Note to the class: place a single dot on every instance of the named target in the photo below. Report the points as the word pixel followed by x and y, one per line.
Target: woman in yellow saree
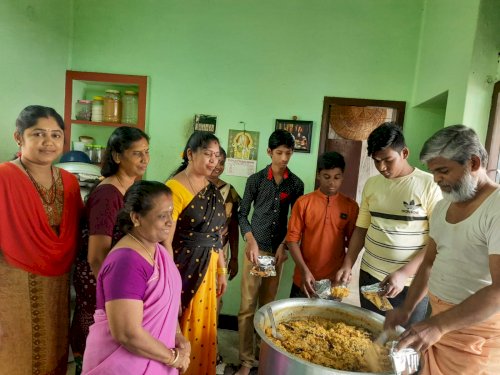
pixel 199 220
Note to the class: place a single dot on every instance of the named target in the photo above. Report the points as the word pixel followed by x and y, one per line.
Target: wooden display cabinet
pixel 86 85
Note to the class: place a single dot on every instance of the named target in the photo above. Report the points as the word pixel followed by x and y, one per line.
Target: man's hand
pixel 344 275
pixel 281 255
pixel 396 317
pixel 252 252
pixel 232 267
pixel 308 283
pixel 393 284
pixel 420 336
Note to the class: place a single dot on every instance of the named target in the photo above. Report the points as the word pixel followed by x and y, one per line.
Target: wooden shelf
pixel 105 80
pixel 102 123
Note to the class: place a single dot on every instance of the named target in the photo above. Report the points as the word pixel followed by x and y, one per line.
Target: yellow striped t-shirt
pixel 396 212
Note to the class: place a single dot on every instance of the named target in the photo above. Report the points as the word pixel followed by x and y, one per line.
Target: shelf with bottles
pixel 100 135
pixel 86 86
pixel 101 123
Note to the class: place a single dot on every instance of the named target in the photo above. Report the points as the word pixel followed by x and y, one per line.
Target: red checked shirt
pixel 271 203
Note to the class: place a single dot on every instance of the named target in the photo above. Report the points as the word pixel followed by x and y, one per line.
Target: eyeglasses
pixel 211 154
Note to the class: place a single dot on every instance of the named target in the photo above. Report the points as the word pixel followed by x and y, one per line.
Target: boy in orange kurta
pixel 320 227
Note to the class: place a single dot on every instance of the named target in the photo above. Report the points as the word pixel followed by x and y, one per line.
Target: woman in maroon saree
pixel 126 159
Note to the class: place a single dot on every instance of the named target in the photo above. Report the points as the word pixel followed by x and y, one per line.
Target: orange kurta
pixel 323 225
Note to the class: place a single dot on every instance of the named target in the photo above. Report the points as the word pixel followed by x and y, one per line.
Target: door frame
pixel 328 101
pixel 493 136
pixel 399 106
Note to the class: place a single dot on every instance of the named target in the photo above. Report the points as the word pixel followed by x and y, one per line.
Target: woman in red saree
pixel 199 220
pixel 136 327
pixel 39 212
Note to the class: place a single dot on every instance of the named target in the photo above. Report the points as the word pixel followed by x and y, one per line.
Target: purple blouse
pixel 124 275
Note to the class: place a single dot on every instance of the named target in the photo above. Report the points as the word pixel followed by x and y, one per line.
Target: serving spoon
pixel 274 331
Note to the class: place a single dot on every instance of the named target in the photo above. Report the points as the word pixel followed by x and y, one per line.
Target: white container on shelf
pixel 79 146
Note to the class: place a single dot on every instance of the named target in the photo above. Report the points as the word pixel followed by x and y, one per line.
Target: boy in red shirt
pixel 320 227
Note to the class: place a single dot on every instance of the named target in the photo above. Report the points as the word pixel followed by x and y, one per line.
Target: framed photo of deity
pixel 301 131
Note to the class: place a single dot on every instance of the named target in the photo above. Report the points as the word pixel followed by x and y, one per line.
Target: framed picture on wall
pixel 205 123
pixel 301 130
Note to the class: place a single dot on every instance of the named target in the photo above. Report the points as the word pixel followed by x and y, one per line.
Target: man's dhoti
pixel 474 350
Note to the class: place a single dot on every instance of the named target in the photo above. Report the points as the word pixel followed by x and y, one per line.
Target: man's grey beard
pixel 463 190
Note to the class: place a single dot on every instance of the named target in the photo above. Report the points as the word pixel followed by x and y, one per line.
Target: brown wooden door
pixel 351 151
pixel 358 166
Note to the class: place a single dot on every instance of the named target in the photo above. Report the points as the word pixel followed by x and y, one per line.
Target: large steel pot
pixel 276 361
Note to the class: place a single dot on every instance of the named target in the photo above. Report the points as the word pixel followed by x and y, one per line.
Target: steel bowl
pixel 276 361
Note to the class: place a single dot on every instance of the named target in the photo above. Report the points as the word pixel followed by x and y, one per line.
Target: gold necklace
pixel 52 191
pixel 192 188
pixel 144 247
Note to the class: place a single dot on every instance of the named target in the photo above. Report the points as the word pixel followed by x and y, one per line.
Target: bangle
pixel 175 354
pixel 222 271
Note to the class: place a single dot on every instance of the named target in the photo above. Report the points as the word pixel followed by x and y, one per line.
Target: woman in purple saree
pixel 136 327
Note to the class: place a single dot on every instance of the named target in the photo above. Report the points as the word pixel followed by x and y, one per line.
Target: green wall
pixel 457 65
pixel 35 44
pixel 255 62
pixel 484 66
pixel 251 62
pixel 445 53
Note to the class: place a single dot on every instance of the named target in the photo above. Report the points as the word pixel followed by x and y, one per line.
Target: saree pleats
pixel 199 324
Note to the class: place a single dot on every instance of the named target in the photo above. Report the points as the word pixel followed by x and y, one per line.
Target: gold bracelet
pixel 222 271
pixel 175 354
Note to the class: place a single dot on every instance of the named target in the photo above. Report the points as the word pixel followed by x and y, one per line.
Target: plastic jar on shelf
pixel 98 153
pixel 95 156
pixel 89 150
pixel 83 109
pixel 97 107
pixel 112 106
pixel 130 105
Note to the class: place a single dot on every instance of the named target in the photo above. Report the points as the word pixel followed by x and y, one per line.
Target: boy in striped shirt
pixel 393 221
